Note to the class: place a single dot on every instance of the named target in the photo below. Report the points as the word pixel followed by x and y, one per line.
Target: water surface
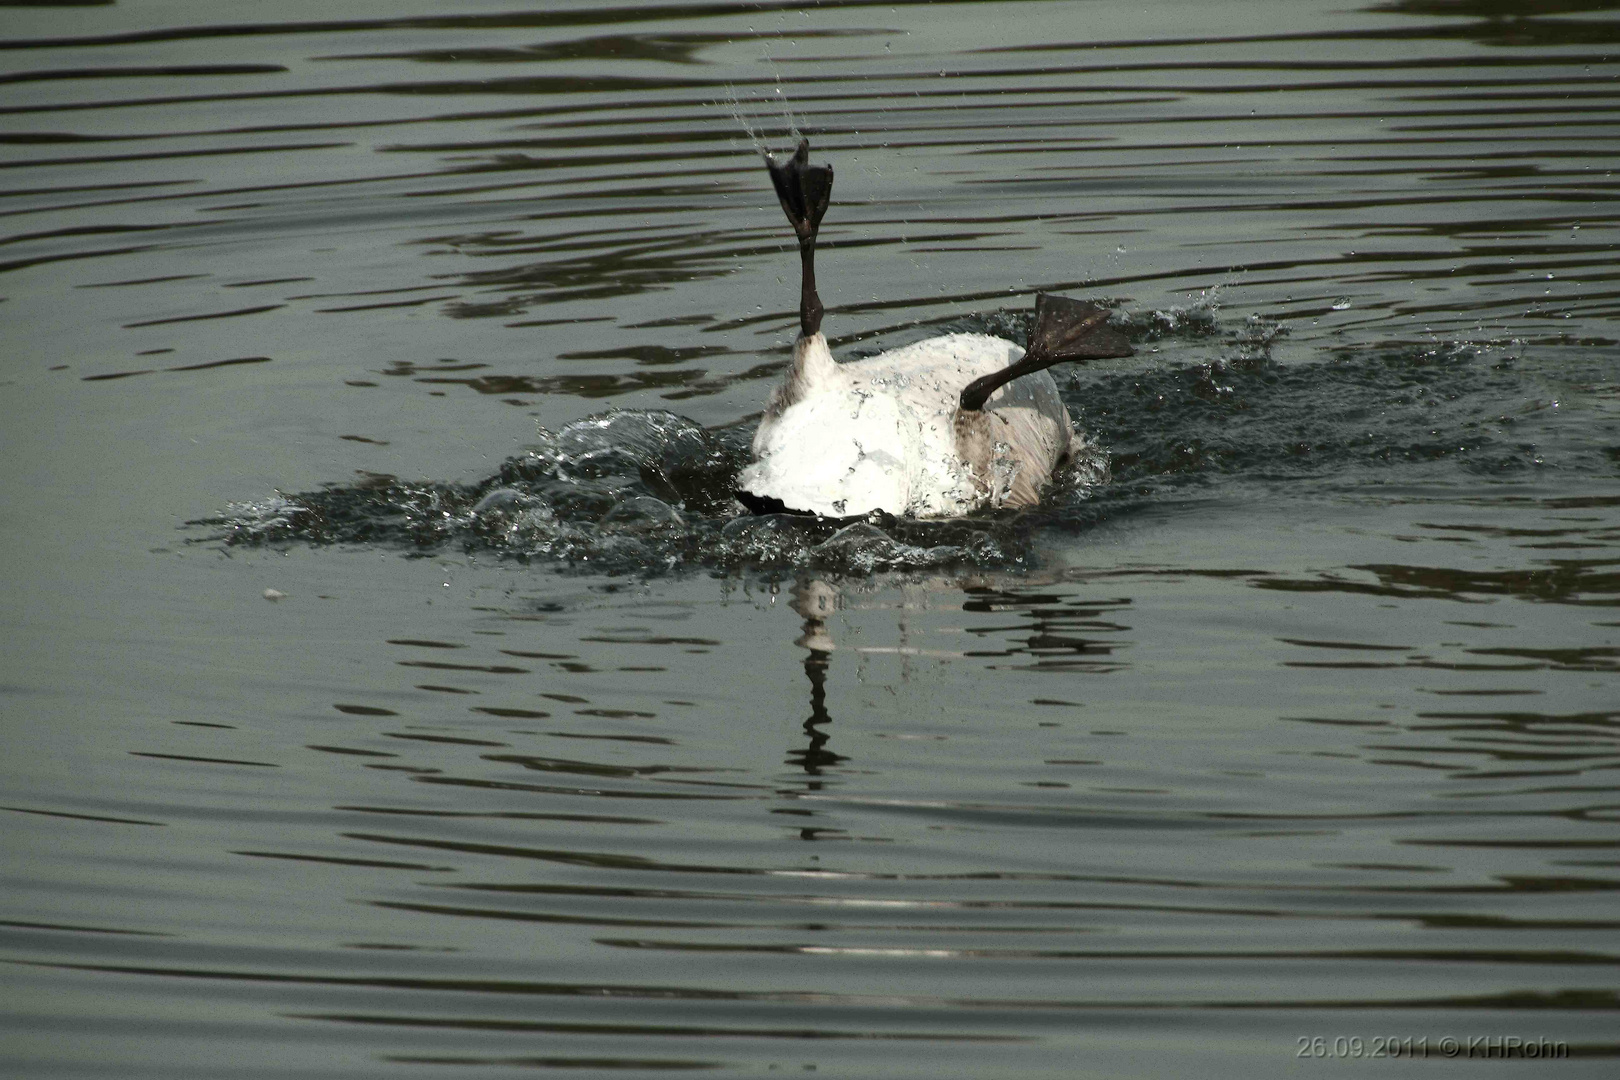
pixel 392 687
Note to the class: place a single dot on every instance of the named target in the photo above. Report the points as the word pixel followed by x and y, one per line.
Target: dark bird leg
pixel 804 190
pixel 1065 330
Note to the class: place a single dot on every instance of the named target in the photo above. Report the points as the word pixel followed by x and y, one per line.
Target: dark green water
pixel 536 756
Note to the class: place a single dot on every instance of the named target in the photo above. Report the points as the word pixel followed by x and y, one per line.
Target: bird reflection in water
pixel 815 601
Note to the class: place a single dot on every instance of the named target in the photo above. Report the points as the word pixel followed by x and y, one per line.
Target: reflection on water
pixel 815 600
pixel 1290 714
pixel 1027 800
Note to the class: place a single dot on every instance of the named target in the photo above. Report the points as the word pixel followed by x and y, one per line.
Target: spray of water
pixel 752 117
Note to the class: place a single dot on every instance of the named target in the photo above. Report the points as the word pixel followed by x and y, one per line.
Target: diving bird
pixel 935 429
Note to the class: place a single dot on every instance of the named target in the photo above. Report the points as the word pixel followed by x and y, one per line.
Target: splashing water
pixel 645 493
pixel 746 119
pixel 628 492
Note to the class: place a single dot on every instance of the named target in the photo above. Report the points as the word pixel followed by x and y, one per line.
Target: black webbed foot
pixel 804 189
pixel 1064 330
pixel 1067 329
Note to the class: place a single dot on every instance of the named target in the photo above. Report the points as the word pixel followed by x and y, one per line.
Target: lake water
pixel 378 703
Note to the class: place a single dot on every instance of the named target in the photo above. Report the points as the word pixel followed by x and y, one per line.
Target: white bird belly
pixel 880 433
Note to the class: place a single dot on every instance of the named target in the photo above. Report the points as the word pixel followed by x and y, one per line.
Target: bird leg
pixel 804 190
pixel 1064 330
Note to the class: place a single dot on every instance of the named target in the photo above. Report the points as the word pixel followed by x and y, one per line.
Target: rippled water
pixel 393 687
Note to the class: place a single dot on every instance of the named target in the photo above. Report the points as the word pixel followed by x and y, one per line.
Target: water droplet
pixel 1341 304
